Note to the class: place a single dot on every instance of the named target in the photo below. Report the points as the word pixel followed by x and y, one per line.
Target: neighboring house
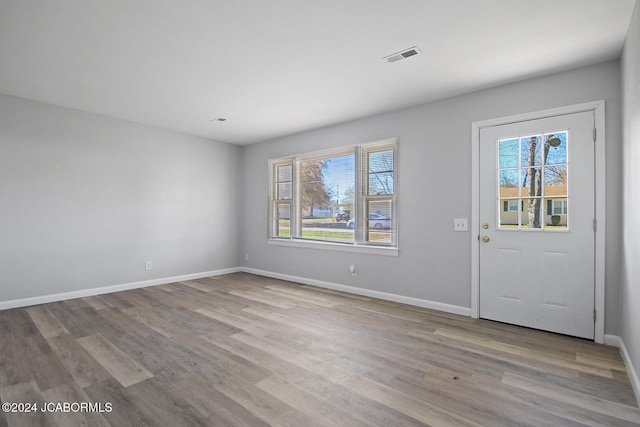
pixel 554 205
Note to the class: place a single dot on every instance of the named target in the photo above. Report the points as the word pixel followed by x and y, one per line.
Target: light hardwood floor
pixel 245 350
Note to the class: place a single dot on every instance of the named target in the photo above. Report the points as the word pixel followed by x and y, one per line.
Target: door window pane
pixel 532 213
pixel 508 149
pixel 533 171
pixel 531 178
pixel 509 213
pixel 531 150
pixel 555 180
pixel 509 183
pixel 556 148
pixel 556 213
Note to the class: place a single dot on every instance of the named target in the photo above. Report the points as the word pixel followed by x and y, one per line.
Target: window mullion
pixel 295 199
pixel 359 202
pixel 277 192
pixel 379 202
pixel 272 201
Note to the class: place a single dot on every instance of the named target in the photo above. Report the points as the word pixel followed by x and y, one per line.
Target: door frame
pixel 600 206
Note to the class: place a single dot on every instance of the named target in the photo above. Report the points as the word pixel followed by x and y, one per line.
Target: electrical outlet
pixel 148 265
pixel 460 224
pixel 353 270
pixel 246 257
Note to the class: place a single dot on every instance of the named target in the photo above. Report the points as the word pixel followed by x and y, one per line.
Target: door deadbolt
pixel 485 225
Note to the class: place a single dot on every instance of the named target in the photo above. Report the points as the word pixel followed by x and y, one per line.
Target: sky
pixel 339 176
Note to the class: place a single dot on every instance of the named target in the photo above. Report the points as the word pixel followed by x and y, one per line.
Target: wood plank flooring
pixel 245 350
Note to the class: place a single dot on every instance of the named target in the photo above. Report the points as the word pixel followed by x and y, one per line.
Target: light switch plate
pixel 460 224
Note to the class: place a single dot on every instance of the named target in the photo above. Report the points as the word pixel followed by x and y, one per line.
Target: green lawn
pixel 327 229
pixel 341 235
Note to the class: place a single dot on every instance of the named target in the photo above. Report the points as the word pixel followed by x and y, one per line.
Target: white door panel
pixel 536 215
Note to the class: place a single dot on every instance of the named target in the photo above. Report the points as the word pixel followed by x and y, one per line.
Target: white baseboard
pixel 464 311
pixel 612 340
pixel 616 341
pixel 25 302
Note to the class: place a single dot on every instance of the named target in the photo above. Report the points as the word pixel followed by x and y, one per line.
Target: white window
pixel 559 207
pixel 345 196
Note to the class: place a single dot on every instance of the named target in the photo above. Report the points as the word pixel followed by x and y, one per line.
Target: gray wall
pixel 85 200
pixel 434 186
pixel 630 287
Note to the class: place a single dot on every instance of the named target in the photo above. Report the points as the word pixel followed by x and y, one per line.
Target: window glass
pixel 283 182
pixel 379 224
pixel 380 172
pixel 532 213
pixel 532 181
pixel 555 180
pixel 327 186
pixel 509 183
pixel 556 213
pixel 508 149
pixel 283 224
pixel 345 195
pixel 557 148
pixel 531 150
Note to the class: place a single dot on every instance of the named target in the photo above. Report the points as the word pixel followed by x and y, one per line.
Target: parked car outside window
pixel 375 221
pixel 343 216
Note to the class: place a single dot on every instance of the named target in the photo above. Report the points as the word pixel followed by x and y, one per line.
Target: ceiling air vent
pixel 412 51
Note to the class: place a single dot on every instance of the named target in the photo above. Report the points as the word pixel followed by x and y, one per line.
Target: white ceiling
pixel 277 67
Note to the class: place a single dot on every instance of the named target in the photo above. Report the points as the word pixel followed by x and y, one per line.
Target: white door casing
pixel 550 278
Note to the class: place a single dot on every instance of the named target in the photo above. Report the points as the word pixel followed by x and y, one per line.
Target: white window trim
pixel 337 247
pixel 563 207
pixel 359 245
pixel 509 202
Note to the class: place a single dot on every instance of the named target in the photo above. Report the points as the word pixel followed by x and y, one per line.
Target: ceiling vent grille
pixel 407 53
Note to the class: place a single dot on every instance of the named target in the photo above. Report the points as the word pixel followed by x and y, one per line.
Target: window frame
pixel 563 206
pixel 509 202
pixel 275 195
pixel 541 166
pixel 361 200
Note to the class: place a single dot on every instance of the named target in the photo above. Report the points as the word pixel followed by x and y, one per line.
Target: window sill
pixel 338 247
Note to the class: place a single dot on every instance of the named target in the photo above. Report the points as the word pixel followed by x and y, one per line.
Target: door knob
pixel 485 239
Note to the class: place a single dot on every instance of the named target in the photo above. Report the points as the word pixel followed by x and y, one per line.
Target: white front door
pixel 537 210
